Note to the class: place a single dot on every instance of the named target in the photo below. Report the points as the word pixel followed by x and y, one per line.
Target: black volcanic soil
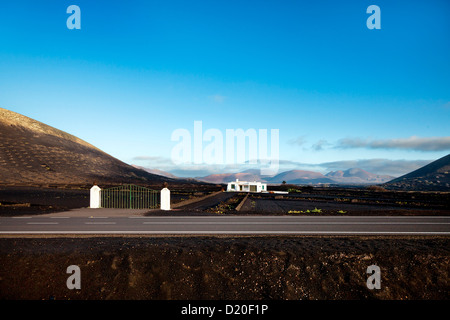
pixel 320 205
pixel 324 201
pixel 330 201
pixel 225 267
pixel 32 200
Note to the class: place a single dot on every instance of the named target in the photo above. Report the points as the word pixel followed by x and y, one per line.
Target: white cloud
pixel 299 141
pixel 152 159
pixel 319 145
pixel 412 143
pixel 378 166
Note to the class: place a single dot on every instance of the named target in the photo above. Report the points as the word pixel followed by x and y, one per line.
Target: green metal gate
pixel 129 196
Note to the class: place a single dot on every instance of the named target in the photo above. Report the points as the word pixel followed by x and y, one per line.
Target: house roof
pixel 245 182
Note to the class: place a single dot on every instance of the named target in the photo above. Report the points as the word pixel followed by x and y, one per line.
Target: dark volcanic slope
pixel 32 153
pixel 433 176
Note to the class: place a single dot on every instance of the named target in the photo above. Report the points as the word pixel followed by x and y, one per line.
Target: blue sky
pixel 339 93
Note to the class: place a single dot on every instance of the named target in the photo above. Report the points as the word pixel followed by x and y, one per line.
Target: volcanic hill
pixel 247 175
pixel 357 176
pixel 300 177
pixel 353 176
pixel 35 154
pixel 435 176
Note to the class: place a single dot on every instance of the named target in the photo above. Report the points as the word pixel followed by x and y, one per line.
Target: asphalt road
pixel 233 225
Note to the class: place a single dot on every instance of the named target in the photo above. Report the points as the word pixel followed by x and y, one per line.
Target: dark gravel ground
pixel 222 268
pixel 15 201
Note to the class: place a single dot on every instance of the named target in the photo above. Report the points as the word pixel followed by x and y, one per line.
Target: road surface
pixel 232 225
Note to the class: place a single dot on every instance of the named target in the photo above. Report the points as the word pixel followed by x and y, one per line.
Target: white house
pixel 244 186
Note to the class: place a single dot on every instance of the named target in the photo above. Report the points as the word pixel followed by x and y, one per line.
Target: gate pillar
pixel 95 197
pixel 165 199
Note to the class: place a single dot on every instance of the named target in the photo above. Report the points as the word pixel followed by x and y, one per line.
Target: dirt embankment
pixel 225 268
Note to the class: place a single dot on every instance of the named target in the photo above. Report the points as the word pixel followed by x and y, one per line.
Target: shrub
pixel 376 188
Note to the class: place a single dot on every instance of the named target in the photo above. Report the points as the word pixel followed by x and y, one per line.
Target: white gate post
pixel 95 197
pixel 165 199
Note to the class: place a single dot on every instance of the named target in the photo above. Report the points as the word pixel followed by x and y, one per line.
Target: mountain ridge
pixel 434 176
pixel 12 118
pixel 33 153
pixel 349 176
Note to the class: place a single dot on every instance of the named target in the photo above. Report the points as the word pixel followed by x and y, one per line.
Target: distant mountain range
pixel 435 176
pixel 350 176
pixel 357 176
pixel 248 175
pixel 432 177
